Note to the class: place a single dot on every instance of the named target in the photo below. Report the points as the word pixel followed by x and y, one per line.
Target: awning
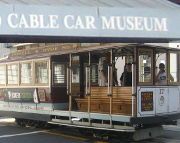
pixel 92 21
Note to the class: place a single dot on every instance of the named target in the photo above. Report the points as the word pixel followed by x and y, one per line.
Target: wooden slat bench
pixel 100 102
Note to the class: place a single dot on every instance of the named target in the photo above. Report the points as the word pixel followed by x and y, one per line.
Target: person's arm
pixel 156 78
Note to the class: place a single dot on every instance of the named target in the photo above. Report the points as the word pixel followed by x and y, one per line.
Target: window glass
pixel 12 74
pixel 2 74
pixel 161 68
pixel 145 66
pixel 173 77
pixel 75 74
pixel 41 72
pixel 59 73
pixel 26 73
pixel 94 73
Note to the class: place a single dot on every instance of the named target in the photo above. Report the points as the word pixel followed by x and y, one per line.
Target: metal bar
pixel 70 80
pixel 70 88
pixel 108 80
pixel 89 71
pixel 67 80
pixel 86 80
pixel 89 90
pixel 111 85
pixel 132 90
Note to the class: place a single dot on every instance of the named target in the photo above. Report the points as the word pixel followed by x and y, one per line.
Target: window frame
pixel 5 75
pixel 7 79
pixel 65 74
pixel 152 66
pixel 178 67
pixel 34 71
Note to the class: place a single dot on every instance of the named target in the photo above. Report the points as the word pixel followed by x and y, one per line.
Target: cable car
pixel 109 87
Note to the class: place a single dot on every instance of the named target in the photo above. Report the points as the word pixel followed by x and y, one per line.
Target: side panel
pixel 162 97
pixel 165 100
pixel 147 106
pixel 174 99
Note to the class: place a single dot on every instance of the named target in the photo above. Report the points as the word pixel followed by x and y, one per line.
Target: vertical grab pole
pixel 110 76
pixel 133 86
pixel 89 88
pixel 108 80
pixel 70 86
pixel 67 80
pixel 89 73
pixel 86 80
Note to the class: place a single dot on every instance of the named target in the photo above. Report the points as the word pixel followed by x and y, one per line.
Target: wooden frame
pixel 30 85
pixel 11 84
pixel 65 74
pixel 5 75
pixel 178 68
pixel 152 66
pixel 32 73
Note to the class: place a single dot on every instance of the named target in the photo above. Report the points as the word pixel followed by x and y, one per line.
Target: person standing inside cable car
pixel 161 78
pixel 126 77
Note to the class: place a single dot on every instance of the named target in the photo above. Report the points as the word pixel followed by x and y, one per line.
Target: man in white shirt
pixel 161 78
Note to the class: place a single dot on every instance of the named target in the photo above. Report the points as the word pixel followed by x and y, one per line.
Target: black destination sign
pixel 146 101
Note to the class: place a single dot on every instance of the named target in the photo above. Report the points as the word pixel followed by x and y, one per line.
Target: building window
pixel 12 74
pixel 2 74
pixel 26 73
pixel 59 73
pixel 41 72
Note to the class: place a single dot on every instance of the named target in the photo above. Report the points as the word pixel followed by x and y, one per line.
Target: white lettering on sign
pixel 77 22
pixel 12 17
pixel 134 23
pixel 14 95
pixel 72 22
pixel 32 21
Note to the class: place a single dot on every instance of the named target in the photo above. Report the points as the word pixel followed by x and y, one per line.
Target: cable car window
pixel 2 74
pixel 145 66
pixel 161 68
pixel 41 72
pixel 75 74
pixel 75 69
pixel 173 76
pixel 94 73
pixel 59 73
pixel 12 74
pixel 26 73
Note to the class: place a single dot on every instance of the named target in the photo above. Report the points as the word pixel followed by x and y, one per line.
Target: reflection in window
pixel 94 73
pixel 75 74
pixel 12 74
pixel 26 73
pixel 41 70
pixel 3 74
pixel 145 66
pixel 59 73
pixel 173 68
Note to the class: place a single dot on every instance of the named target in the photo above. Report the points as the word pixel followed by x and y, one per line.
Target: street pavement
pixel 11 133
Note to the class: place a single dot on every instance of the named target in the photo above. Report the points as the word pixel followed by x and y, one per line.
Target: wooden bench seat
pixel 100 102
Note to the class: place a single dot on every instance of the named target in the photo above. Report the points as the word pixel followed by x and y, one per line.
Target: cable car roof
pixel 98 3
